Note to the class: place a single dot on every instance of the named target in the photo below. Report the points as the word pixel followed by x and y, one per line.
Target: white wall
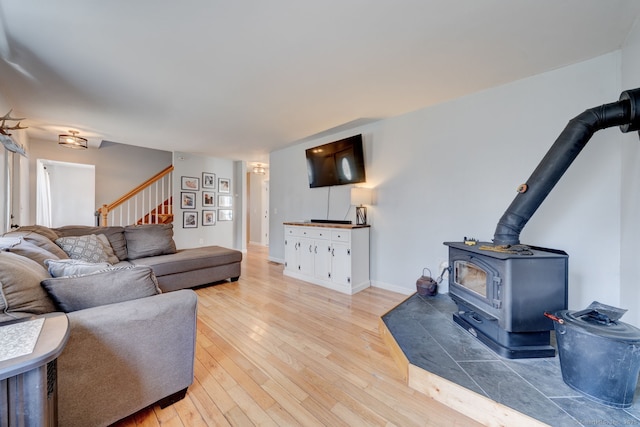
pixel 449 171
pixel 630 201
pixel 223 233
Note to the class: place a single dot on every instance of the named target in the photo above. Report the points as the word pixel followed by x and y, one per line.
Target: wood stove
pixel 502 295
pixel 503 288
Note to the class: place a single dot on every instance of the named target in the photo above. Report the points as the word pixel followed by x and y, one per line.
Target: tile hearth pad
pixel 425 331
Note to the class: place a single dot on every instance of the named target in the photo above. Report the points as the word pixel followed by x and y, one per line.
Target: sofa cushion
pixel 149 240
pixel 86 248
pixel 38 229
pixel 33 252
pixel 104 287
pixel 20 291
pixel 39 240
pixel 115 235
pixel 190 259
pixel 73 267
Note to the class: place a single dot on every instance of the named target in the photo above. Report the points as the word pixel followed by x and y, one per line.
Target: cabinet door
pixel 290 253
pixel 322 254
pixel 306 256
pixel 341 263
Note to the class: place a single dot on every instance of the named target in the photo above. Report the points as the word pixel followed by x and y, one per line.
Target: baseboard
pixel 276 260
pixel 393 288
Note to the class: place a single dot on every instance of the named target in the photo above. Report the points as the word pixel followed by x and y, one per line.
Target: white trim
pixel 393 288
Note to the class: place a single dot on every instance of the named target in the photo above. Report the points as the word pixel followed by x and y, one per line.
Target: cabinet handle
pixel 348 251
pixel 310 250
pixel 315 249
pixel 333 252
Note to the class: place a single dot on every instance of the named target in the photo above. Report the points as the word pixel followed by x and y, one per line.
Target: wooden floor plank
pixel 272 350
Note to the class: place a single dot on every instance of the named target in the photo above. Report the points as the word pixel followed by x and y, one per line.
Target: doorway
pixel 65 193
pixel 265 213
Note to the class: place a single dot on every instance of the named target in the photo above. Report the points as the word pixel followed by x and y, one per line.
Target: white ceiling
pixel 239 78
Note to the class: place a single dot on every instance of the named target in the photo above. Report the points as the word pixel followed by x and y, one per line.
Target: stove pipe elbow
pixel 624 113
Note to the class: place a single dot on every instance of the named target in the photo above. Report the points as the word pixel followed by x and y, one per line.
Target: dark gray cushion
pixel 86 248
pixel 20 290
pixel 101 288
pixel 33 252
pixel 73 267
pixel 149 240
pixel 115 235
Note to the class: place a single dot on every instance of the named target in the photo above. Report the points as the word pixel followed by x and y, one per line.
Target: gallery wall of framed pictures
pixel 212 196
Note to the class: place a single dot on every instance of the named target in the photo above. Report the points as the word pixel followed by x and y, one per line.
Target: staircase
pixel 149 203
pixel 160 214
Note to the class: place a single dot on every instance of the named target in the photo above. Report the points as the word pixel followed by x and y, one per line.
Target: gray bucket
pixel 599 355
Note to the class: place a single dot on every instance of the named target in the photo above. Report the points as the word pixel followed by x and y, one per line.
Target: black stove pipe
pixel 624 113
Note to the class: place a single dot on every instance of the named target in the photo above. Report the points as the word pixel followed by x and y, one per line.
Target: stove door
pixel 476 283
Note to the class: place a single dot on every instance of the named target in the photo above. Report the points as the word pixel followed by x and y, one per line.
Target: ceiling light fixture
pixel 258 170
pixel 73 140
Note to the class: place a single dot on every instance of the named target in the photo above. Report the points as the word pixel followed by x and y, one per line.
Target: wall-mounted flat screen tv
pixel 337 163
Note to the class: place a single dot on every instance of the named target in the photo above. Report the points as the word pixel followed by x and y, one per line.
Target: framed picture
pixel 224 185
pixel 225 201
pixel 208 198
pixel 187 200
pixel 190 219
pixel 225 215
pixel 190 183
pixel 208 217
pixel 208 180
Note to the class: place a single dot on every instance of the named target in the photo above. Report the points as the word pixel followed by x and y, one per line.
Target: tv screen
pixel 337 163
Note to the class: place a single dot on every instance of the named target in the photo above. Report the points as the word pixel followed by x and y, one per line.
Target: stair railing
pixel 148 203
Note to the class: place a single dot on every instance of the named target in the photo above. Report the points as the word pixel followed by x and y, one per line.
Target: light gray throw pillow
pixel 73 267
pixel 104 287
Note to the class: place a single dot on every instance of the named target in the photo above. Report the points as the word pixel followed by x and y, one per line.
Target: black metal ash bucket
pixel 599 355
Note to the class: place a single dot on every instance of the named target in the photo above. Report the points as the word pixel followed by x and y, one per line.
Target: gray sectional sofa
pixel 131 342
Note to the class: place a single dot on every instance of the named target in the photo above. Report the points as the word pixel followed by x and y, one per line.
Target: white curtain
pixel 43 196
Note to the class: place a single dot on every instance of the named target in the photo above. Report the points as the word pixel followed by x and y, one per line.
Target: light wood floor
pixel 276 351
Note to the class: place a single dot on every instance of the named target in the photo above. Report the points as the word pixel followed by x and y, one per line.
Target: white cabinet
pixel 336 257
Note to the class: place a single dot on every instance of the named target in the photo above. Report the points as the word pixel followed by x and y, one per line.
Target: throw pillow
pixel 112 258
pixel 20 290
pixel 86 248
pixel 39 240
pixel 115 235
pixel 101 288
pixel 33 252
pixel 9 242
pixel 149 240
pixel 73 267
pixel 39 229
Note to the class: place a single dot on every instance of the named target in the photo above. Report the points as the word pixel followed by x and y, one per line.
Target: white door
pixel 265 213
pixel 66 193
